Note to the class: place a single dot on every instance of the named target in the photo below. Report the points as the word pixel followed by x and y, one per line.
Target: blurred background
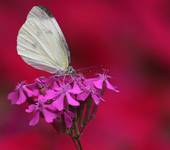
pixel 129 37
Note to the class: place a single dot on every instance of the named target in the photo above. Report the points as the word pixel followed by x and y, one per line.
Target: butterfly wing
pixel 41 43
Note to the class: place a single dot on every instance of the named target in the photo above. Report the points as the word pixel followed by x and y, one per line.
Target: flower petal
pixel 59 102
pixel 28 91
pixel 71 100
pixel 35 119
pixel 71 114
pixel 110 86
pixel 50 94
pixel 68 119
pixel 98 84
pixel 56 87
pixel 31 108
pixel 49 116
pixel 75 90
pixel 22 97
pixel 13 97
pixel 89 82
pixel 42 99
pixel 33 88
pixel 83 96
pixel 96 99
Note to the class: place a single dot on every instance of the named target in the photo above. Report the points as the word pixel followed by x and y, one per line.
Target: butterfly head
pixel 70 70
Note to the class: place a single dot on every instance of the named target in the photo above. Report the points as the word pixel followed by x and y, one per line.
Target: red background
pixel 131 38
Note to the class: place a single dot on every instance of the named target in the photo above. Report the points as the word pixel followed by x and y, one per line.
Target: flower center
pixel 65 88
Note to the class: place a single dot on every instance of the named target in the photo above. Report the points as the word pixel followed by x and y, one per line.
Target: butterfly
pixel 41 43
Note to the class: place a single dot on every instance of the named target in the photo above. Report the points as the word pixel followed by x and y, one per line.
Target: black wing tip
pixel 45 9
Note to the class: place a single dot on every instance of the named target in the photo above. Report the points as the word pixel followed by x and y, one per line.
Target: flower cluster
pixel 62 99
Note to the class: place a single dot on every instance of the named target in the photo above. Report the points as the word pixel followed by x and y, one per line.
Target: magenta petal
pixel 13 97
pixel 28 91
pixel 68 120
pixel 31 108
pixel 50 107
pixel 55 85
pixel 89 82
pixel 50 94
pixel 98 84
pixel 110 86
pixel 49 116
pixel 35 92
pixel 33 89
pixel 83 96
pixel 96 99
pixel 71 114
pixel 59 102
pixel 71 100
pixel 35 119
pixel 42 99
pixel 75 90
pixel 22 98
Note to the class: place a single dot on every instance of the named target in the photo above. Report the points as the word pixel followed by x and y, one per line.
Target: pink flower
pixel 42 86
pixel 65 91
pixel 20 94
pixel 103 78
pixel 41 83
pixel 41 107
pixel 56 97
pixel 90 91
pixel 78 80
pixel 68 118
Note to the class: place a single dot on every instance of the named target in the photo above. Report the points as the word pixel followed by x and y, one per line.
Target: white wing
pixel 41 43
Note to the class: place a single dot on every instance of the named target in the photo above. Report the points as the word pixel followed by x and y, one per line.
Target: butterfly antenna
pixel 91 68
pixel 105 71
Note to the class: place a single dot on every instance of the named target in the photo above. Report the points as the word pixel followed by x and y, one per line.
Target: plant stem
pixel 76 136
pixel 79 144
pixel 75 143
pixel 74 133
pixel 88 111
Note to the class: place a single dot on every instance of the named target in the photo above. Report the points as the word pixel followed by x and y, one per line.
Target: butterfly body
pixel 68 71
pixel 41 43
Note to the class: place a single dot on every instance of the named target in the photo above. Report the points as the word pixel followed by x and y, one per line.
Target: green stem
pixel 87 115
pixel 77 136
pixel 79 144
pixel 80 114
pixel 76 128
pixel 75 143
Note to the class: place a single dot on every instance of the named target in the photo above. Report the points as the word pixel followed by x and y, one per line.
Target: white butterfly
pixel 41 43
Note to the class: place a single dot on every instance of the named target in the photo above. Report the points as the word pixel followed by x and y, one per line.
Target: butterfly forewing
pixel 41 43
